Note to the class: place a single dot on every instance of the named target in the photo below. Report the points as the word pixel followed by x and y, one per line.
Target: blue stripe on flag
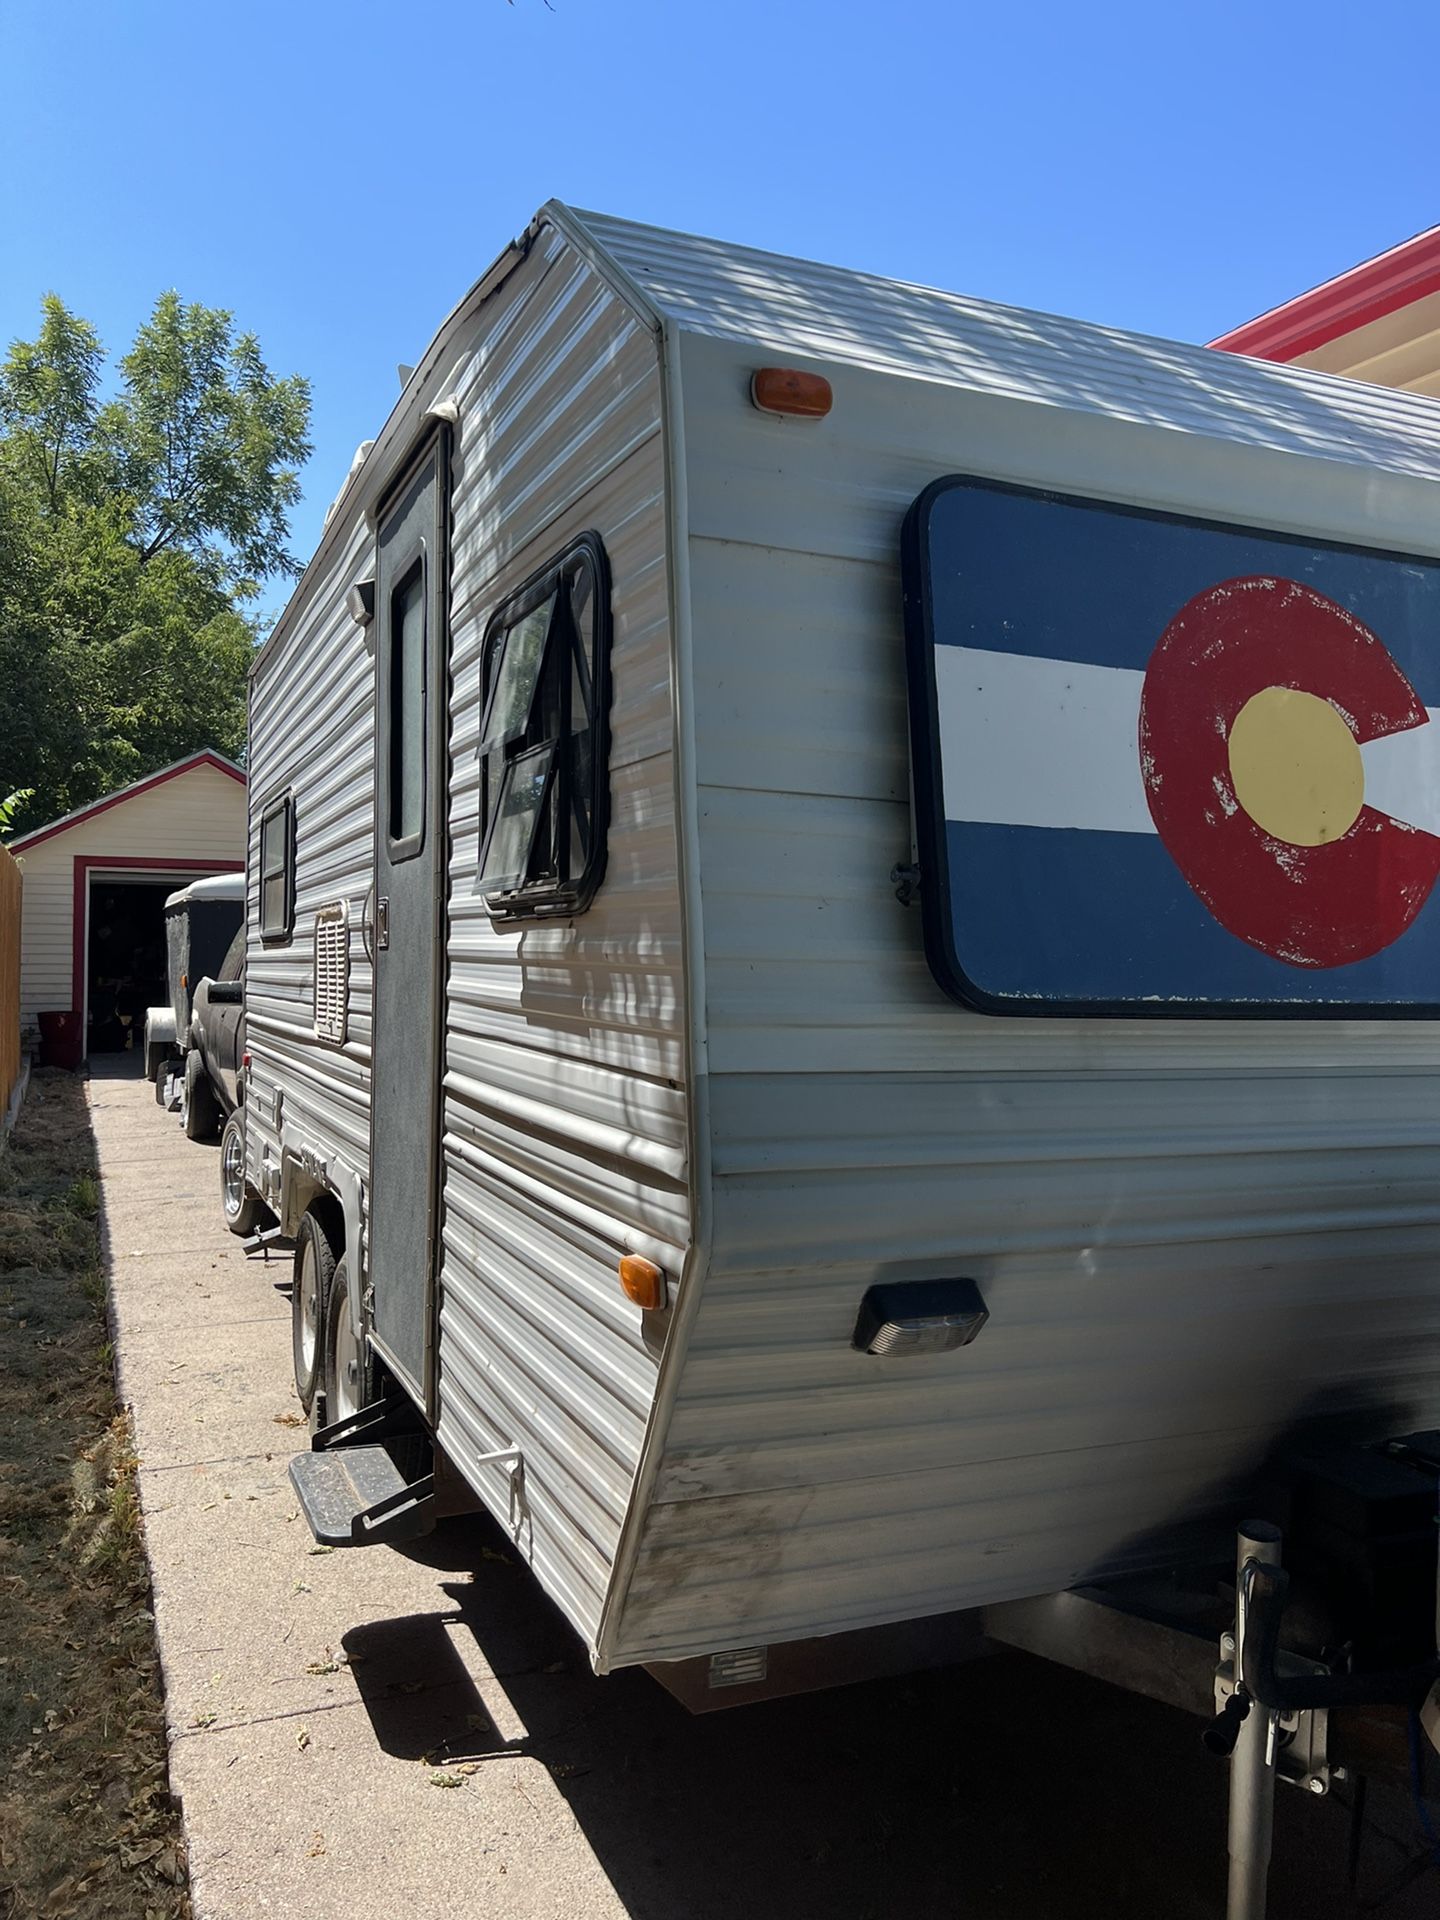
pixel 1067 580
pixel 1058 915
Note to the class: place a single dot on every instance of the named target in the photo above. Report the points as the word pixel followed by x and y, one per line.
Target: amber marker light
pixel 643 1282
pixel 786 390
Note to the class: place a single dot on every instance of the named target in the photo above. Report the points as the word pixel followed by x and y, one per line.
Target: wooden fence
pixel 9 976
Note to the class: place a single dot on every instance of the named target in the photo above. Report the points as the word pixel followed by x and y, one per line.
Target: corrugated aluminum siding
pixel 565 1106
pixel 863 320
pixel 1190 1234
pixel 312 731
pixel 565 1121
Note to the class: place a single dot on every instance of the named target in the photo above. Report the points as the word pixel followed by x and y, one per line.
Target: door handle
pixel 382 923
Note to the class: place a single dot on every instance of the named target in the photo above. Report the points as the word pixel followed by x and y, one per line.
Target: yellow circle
pixel 1296 767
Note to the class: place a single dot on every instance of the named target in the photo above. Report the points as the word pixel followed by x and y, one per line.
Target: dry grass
pixel 87 1825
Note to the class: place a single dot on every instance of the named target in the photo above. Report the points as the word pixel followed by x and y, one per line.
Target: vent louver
pixel 332 972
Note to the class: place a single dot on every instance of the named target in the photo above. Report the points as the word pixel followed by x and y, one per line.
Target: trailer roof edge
pixel 370 475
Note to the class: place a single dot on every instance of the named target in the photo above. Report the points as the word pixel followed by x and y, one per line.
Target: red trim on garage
pixel 1368 292
pixel 206 758
pixel 85 865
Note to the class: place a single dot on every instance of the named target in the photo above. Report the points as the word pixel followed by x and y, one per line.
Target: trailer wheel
pixel 198 1113
pixel 162 1080
pixel 348 1370
pixel 243 1208
pixel 314 1277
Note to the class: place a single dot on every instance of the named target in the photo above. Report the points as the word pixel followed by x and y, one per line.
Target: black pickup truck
pixel 216 1042
pixel 212 1098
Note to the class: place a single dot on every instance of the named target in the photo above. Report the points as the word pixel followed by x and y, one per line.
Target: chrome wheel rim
pixel 232 1172
pixel 308 1290
pixel 344 1365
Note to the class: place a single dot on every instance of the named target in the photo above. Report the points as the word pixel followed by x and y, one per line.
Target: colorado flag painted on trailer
pixel 1168 765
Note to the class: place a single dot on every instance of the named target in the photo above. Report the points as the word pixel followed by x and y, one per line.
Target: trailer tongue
pixel 1296 1696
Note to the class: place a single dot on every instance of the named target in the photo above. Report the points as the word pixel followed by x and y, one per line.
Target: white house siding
pixel 1189 1234
pixel 565 1116
pixel 196 816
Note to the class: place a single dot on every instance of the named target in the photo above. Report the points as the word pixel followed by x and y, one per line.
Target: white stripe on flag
pixel 1040 743
pixel 1055 743
pixel 1402 775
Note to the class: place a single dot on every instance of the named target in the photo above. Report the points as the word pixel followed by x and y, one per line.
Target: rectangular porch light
pixel 919 1316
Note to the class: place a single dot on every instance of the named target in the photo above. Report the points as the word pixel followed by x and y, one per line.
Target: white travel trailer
pixel 801 1167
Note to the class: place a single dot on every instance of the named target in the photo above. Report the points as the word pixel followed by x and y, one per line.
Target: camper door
pixel 410 656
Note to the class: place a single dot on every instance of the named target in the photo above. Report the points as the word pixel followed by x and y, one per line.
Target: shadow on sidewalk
pixel 999 1790
pixel 116 1066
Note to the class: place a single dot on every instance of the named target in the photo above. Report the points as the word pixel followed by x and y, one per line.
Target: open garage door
pixel 124 958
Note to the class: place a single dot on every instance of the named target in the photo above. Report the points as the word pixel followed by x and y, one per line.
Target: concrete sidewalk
pixel 303 1781
pixel 369 1733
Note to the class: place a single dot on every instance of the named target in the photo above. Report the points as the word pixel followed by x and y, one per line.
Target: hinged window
pixel 332 973
pixel 544 755
pixel 277 869
pixel 407 733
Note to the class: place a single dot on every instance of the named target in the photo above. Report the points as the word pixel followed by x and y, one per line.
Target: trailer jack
pixel 1274 1712
pixel 262 1241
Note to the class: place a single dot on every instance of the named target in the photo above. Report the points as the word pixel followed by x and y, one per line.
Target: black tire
pixel 336 1398
pixel 242 1207
pixel 199 1114
pixel 162 1080
pixel 315 1259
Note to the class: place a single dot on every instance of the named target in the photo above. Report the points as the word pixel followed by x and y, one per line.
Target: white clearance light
pixel 919 1316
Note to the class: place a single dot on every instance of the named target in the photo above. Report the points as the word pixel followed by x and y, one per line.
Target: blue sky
pixel 338 174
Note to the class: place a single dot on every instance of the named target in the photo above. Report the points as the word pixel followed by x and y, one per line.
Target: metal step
pixel 360 1496
pixel 262 1241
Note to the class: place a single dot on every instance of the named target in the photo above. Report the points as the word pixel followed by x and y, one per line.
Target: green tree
pixel 47 401
pixel 205 443
pixel 134 530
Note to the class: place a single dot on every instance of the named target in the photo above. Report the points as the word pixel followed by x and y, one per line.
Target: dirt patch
pixel 87 1824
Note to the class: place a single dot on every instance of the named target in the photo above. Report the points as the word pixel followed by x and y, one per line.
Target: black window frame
pixel 411 563
pixel 560 894
pixel 282 806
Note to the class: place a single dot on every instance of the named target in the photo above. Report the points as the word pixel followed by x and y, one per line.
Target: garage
pixel 92 950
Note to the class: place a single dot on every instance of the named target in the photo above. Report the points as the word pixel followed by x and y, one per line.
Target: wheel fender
pixel 305 1171
pixel 159 1026
pixel 348 1191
